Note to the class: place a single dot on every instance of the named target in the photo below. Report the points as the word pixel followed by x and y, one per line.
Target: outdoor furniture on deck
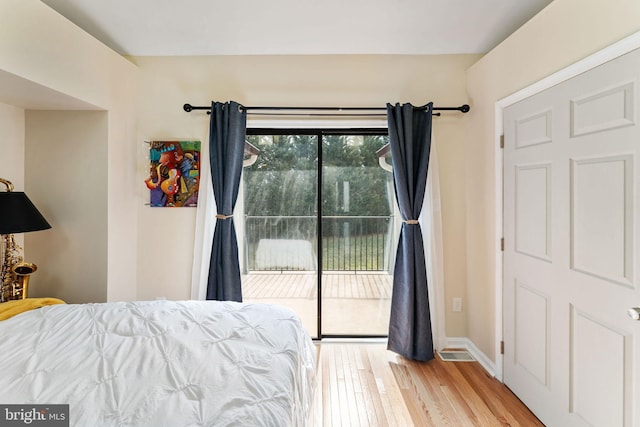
pixel 285 254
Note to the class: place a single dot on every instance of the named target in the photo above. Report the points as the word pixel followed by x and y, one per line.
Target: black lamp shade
pixel 19 215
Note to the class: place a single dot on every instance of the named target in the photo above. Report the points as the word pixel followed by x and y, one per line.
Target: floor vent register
pixel 456 356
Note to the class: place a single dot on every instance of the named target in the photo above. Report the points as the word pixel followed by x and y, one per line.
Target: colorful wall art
pixel 174 173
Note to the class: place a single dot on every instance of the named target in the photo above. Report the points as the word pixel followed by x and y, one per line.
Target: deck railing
pixel 289 243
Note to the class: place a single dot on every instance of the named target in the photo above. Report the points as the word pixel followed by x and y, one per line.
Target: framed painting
pixel 174 173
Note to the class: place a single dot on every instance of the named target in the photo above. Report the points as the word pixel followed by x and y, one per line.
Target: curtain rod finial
pixel 187 108
pixel 465 108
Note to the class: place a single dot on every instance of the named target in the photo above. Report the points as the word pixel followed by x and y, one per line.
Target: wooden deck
pixel 353 303
pixel 343 285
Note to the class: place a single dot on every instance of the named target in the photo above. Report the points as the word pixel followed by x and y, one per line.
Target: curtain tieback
pixel 411 221
pixel 218 216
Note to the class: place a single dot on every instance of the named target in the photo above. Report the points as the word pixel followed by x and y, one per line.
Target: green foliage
pixel 283 180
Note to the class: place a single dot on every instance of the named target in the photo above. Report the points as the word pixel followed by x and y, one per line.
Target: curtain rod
pixel 188 108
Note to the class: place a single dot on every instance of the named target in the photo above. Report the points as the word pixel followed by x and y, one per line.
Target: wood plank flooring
pixel 363 384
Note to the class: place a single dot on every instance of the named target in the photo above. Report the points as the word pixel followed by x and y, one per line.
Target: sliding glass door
pixel 280 227
pixel 357 235
pixel 309 183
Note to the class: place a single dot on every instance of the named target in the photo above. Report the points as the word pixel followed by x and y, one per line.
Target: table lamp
pixel 17 215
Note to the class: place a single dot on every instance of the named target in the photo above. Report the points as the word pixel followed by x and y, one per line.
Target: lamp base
pixel 10 287
pixel 23 270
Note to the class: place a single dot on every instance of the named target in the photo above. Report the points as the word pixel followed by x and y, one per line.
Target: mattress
pixel 161 363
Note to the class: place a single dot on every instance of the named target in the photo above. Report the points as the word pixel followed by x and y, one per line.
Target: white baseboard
pixel 465 343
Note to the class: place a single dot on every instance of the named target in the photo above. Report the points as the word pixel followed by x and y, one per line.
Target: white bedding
pixel 161 363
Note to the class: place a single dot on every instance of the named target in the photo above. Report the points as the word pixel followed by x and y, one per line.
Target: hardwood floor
pixel 363 384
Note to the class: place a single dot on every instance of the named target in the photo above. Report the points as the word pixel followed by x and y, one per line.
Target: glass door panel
pixel 280 228
pixel 357 236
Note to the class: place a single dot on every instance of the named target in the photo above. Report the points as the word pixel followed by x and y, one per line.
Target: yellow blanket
pixel 11 308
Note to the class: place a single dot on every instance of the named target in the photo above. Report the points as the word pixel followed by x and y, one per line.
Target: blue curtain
pixel 410 142
pixel 226 150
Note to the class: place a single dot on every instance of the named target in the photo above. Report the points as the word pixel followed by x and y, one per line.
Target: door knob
pixel 634 313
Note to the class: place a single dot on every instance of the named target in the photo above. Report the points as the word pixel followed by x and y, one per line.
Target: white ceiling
pixel 283 27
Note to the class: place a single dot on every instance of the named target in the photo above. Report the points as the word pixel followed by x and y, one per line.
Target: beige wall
pixel 65 163
pixel 12 149
pixel 40 45
pixel 563 33
pixel 166 235
pixel 56 65
pixel 12 145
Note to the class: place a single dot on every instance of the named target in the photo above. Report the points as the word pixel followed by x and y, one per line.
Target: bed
pixel 161 363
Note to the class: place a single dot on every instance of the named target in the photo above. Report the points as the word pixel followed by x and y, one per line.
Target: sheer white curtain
pixel 431 224
pixel 205 225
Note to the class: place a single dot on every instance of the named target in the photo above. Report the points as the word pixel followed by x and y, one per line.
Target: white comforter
pixel 161 363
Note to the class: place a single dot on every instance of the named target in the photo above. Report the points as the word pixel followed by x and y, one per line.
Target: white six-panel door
pixel 571 260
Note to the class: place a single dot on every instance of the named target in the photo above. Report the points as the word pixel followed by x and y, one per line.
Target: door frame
pixel 592 61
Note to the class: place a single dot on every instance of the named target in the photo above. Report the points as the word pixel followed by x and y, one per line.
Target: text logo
pixel 34 415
